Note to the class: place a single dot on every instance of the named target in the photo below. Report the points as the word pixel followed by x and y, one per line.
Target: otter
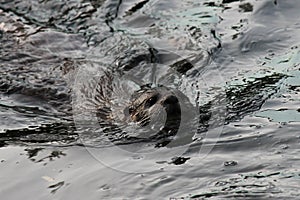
pixel 157 106
pixel 153 114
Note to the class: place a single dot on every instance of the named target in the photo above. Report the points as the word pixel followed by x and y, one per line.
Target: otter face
pixel 147 102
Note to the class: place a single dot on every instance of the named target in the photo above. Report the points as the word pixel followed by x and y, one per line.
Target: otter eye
pixel 150 102
pixel 130 110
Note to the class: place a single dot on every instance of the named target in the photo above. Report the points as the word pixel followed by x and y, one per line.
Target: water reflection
pixel 252 44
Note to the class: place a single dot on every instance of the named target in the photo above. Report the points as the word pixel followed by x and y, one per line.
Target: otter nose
pixel 170 100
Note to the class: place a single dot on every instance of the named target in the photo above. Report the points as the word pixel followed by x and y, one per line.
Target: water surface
pixel 237 63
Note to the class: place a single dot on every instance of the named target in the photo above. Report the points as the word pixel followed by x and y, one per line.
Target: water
pixel 237 62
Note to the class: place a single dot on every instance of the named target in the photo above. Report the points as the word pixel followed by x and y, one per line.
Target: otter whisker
pixel 145 121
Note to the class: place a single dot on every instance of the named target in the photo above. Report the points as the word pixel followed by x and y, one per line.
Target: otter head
pixel 146 102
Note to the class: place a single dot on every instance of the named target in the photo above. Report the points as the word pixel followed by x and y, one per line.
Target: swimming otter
pixel 156 112
pixel 157 106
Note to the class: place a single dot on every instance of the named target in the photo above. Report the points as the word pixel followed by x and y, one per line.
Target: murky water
pixel 69 70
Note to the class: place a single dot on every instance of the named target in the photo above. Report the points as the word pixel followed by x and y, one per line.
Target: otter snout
pixel 171 105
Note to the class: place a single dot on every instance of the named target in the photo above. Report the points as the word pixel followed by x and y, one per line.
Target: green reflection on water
pixel 280 115
pixel 287 62
pixel 196 16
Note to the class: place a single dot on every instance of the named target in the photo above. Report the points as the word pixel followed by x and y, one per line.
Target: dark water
pixel 235 63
